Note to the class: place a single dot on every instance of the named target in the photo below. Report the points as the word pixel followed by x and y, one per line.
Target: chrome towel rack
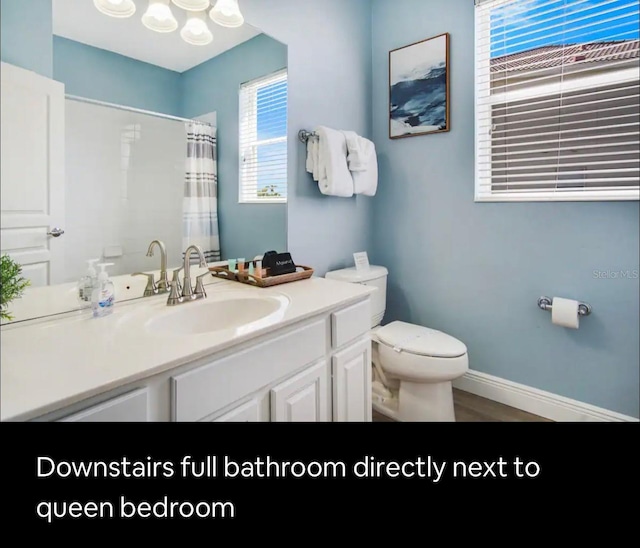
pixel 305 135
pixel 545 303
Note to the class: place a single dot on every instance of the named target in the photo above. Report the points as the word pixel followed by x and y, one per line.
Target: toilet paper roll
pixel 565 313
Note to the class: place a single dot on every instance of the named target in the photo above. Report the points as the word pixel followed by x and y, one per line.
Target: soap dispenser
pixel 88 282
pixel 103 296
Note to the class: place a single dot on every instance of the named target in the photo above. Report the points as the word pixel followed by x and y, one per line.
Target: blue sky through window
pixel 272 124
pixel 272 111
pixel 528 24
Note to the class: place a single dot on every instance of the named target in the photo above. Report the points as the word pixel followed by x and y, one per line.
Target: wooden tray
pixel 245 278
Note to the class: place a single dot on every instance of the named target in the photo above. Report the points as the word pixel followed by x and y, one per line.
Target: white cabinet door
pixel 32 173
pixel 206 390
pixel 132 407
pixel 302 398
pixel 352 383
pixel 247 412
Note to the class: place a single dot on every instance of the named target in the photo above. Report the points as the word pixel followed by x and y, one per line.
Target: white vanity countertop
pixel 39 302
pixel 47 365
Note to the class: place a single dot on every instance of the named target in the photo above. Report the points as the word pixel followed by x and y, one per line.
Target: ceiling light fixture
pixel 192 5
pixel 195 30
pixel 227 14
pixel 115 8
pixel 159 17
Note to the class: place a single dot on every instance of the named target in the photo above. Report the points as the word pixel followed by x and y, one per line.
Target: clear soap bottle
pixel 88 282
pixel 103 296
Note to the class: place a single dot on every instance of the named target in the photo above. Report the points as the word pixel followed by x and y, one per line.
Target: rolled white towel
pixel 312 157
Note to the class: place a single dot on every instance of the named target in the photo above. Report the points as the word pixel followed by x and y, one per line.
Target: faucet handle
pixel 152 288
pixel 174 296
pixel 200 292
pixel 176 278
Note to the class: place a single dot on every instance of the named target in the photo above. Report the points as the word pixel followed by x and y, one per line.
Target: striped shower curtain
pixel 201 191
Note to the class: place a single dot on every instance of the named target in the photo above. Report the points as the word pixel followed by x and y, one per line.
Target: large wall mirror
pixel 177 136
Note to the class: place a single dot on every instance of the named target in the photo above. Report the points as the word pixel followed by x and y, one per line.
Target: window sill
pixel 264 202
pixel 625 196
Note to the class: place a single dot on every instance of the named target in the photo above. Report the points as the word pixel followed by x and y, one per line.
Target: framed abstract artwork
pixel 419 88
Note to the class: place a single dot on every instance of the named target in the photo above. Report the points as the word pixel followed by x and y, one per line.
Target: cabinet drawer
pixel 202 391
pixel 350 323
pixel 131 407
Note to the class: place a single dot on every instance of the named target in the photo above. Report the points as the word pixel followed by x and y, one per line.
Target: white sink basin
pixel 240 313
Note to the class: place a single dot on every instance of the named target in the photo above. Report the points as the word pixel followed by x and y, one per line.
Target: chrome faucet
pixel 188 294
pixel 163 283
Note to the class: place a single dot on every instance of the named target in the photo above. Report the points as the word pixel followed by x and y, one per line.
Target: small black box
pixel 278 263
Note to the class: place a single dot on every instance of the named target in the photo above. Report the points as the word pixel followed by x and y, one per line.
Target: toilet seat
pixel 420 341
pixel 414 353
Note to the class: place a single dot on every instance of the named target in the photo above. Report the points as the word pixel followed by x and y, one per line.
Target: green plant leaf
pixel 12 284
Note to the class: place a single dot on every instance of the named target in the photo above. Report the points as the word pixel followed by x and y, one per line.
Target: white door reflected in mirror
pixel 32 164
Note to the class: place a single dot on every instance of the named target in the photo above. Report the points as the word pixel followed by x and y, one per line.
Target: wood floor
pixel 472 408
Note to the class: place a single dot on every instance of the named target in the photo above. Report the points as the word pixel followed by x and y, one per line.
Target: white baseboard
pixel 541 403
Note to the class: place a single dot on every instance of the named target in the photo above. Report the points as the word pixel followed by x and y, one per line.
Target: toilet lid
pixel 415 339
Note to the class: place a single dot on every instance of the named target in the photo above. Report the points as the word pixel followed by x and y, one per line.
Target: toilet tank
pixel 374 276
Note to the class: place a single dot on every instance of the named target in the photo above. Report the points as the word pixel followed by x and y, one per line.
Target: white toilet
pixel 413 366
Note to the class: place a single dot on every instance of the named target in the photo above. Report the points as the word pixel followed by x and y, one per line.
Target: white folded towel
pixel 366 182
pixel 357 157
pixel 334 175
pixel 313 162
pixel 363 163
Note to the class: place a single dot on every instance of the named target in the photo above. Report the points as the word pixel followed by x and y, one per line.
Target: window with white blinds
pixel 263 140
pixel 557 100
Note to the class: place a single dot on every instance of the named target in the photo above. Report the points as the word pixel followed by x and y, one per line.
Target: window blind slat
pixel 554 163
pixel 562 115
pixel 533 57
pixel 543 76
pixel 633 152
pixel 557 108
pixel 557 26
pixel 631 90
pixel 571 148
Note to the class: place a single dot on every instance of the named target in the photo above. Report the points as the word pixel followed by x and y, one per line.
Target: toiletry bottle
pixel 103 295
pixel 88 282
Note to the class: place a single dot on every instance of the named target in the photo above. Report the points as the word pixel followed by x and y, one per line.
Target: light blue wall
pixel 330 84
pixel 25 34
pixel 246 230
pixel 476 270
pixel 99 74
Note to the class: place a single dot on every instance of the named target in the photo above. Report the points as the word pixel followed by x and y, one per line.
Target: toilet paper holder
pixel 545 303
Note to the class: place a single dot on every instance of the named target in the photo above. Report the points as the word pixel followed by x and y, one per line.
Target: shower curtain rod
pixel 136 110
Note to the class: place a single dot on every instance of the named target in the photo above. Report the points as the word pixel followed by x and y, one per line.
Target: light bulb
pixel 195 30
pixel 159 17
pixel 192 5
pixel 115 8
pixel 227 14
